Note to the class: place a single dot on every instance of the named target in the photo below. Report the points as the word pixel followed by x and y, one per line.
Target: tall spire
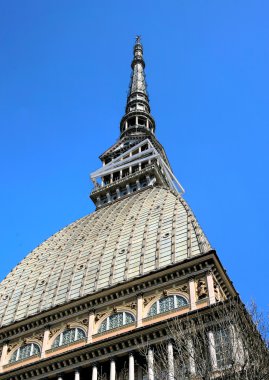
pixel 138 82
pixel 137 116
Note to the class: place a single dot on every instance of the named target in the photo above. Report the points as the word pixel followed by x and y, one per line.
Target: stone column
pixel 45 342
pixel 212 350
pixel 192 293
pixel 210 287
pixel 170 355
pixel 150 364
pixel 191 356
pixel 237 346
pixel 77 375
pixel 131 367
pixel 94 372
pixel 112 370
pixel 108 196
pixel 90 326
pixel 3 357
pixel 118 192
pixel 139 310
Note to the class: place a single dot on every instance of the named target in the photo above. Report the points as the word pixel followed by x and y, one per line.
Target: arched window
pixel 68 336
pixel 167 303
pixel 25 352
pixel 116 320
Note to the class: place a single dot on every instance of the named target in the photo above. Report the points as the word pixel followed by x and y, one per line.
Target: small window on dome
pixel 166 304
pixel 69 336
pixel 24 352
pixel 142 121
pixel 131 122
pixel 116 320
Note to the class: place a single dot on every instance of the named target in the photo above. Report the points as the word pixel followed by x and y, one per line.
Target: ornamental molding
pixel 182 288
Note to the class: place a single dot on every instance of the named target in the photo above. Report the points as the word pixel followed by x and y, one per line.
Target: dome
pixel 136 235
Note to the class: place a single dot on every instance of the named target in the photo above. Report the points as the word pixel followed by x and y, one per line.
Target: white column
pixel 3 356
pixel 77 375
pixel 150 364
pixel 139 310
pixel 171 374
pixel 237 346
pixel 45 342
pixel 212 350
pixel 192 294
pixel 90 326
pixel 60 378
pixel 210 287
pixel 112 370
pixel 139 373
pixel 191 356
pixel 131 367
pixel 94 372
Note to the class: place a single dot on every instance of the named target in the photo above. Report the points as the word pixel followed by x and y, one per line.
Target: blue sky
pixel 64 75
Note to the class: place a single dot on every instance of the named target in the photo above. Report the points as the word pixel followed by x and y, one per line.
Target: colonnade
pixel 112 374
pixel 131 367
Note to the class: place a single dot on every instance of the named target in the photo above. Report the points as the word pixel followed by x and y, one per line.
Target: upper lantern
pixel 137 160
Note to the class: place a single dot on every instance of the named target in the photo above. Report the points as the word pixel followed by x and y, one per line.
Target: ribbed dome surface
pixel 134 236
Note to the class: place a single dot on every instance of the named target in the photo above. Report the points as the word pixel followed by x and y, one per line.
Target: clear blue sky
pixel 64 74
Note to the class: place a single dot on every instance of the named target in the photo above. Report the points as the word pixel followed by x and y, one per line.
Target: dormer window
pixel 168 303
pixel 24 352
pixel 69 336
pixel 116 320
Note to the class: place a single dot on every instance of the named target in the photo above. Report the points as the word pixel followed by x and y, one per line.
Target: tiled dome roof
pixel 134 236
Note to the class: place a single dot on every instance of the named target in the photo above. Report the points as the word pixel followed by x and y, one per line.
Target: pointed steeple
pixel 138 82
pixel 137 116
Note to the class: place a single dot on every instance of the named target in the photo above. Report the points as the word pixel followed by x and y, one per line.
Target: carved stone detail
pixel 217 291
pixel 38 336
pixel 99 316
pixel 148 299
pixel 201 289
pixel 11 346
pixel 132 305
pixel 53 332
pixel 183 288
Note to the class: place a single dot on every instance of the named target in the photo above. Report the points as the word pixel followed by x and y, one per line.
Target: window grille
pixel 166 304
pixel 25 352
pixel 223 347
pixel 68 336
pixel 116 320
